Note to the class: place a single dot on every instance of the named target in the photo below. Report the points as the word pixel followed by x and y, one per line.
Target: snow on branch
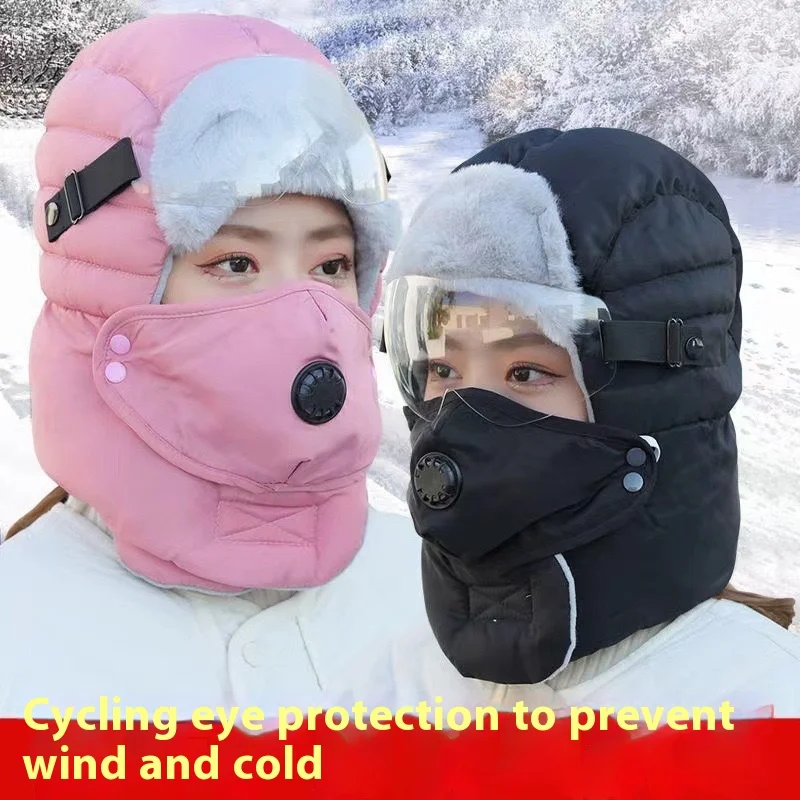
pixel 38 41
pixel 719 81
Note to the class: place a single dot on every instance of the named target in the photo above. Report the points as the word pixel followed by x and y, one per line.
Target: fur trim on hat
pixel 232 136
pixel 489 220
pixel 494 221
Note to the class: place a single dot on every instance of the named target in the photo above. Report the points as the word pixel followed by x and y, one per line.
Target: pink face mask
pixel 263 414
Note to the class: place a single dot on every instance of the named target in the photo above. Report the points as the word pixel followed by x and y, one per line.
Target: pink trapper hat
pixel 166 88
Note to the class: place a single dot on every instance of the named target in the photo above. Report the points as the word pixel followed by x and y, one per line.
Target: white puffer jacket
pixel 76 626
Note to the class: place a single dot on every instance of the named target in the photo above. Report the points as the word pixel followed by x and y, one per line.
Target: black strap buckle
pixel 77 191
pixel 87 189
pixel 674 343
pixel 671 343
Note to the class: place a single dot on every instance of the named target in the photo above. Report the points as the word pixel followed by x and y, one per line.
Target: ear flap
pixel 411 418
pixel 489 214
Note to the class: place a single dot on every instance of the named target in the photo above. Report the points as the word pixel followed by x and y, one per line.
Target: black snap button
pixel 318 392
pixel 636 457
pixel 437 480
pixel 694 347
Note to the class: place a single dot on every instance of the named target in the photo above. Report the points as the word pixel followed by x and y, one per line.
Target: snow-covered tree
pixel 719 81
pixel 40 38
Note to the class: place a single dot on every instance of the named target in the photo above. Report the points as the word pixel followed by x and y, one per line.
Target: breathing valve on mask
pixel 318 392
pixel 437 480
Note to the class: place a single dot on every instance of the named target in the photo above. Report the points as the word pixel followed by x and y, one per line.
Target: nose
pixel 284 268
pixel 482 373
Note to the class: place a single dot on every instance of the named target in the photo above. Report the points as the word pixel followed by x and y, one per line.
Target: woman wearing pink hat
pixel 214 219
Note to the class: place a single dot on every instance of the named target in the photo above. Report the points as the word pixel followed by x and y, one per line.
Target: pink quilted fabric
pixel 120 86
pixel 140 434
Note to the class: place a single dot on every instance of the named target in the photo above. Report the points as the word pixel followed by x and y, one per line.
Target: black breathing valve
pixel 437 480
pixel 318 392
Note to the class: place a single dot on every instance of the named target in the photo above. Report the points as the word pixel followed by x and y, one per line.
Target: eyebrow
pixel 511 342
pixel 338 230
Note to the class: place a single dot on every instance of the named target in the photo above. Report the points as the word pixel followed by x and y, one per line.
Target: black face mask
pixel 500 494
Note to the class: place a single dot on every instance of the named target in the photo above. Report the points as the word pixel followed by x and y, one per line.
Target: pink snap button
pixel 115 372
pixel 120 344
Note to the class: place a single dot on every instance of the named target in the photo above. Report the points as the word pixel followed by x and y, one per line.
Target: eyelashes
pixel 238 259
pixel 242 265
pixel 521 372
pixel 518 374
pixel 342 265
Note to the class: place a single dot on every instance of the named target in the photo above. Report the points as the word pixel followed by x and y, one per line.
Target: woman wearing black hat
pixel 564 322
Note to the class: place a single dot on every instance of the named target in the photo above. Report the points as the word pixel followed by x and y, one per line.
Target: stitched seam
pixel 190 75
pixel 356 471
pixel 494 605
pixel 308 652
pixel 668 276
pixel 695 318
pixel 91 265
pixel 232 537
pixel 58 126
pixel 699 421
pixel 243 305
pixel 319 308
pixel 121 76
pixel 601 265
pixel 315 540
pixel 751 624
pixel 277 524
pixel 64 307
pixel 271 523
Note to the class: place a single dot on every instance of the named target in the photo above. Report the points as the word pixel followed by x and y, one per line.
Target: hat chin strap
pixel 166 270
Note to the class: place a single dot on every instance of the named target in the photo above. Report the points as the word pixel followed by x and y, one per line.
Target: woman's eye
pixel 238 265
pixel 442 371
pixel 525 374
pixel 333 267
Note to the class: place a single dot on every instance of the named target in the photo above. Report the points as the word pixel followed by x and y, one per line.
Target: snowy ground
pixel 767 217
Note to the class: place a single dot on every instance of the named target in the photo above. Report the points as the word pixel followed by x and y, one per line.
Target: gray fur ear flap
pixel 230 137
pixel 489 220
pixel 378 228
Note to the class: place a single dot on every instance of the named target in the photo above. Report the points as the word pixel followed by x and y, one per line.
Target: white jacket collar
pixel 263 598
pixel 577 672
pixel 591 666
